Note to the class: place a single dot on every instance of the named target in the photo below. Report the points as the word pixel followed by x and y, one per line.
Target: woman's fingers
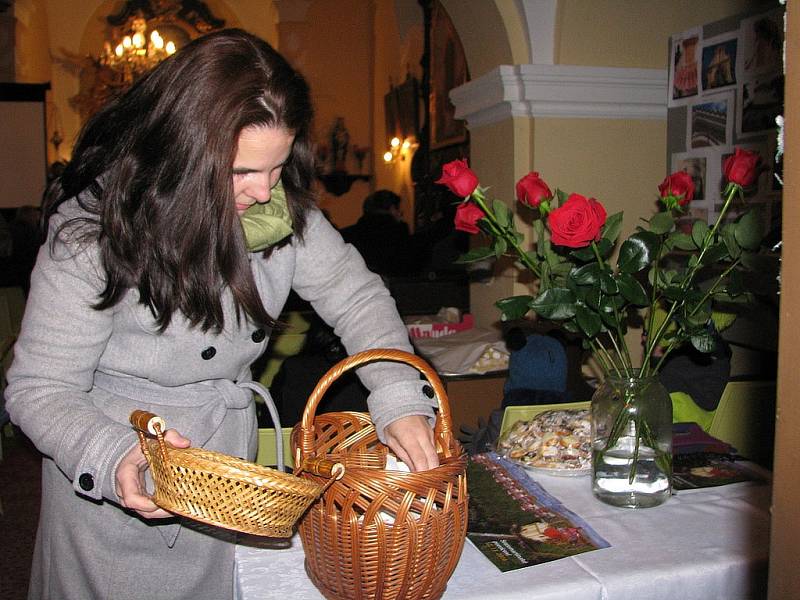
pixel 412 441
pixel 130 481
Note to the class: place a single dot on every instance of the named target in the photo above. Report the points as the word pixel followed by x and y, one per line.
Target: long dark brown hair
pixel 157 165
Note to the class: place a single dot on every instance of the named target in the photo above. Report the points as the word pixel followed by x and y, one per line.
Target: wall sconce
pixel 399 150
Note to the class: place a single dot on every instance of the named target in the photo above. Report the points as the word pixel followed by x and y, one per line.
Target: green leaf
pixel 609 318
pixel 662 223
pixel 514 307
pixel 583 254
pixel 734 284
pixel 703 342
pixel 571 326
pixel 612 227
pixel 475 254
pixel 673 292
pixel 594 296
pixel 500 246
pixel 728 235
pixel 699 318
pixel 608 284
pixel 636 252
pixel 632 290
pixel 749 230
pixel 562 269
pixel 604 247
pixel 715 253
pixel 588 320
pixel 587 274
pixel 682 241
pixel 562 196
pixel 556 303
pixel 502 213
pixel 699 231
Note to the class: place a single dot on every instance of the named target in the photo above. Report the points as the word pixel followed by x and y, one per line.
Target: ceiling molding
pixel 562 91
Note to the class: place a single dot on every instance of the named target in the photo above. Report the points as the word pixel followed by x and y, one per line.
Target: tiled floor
pixel 20 489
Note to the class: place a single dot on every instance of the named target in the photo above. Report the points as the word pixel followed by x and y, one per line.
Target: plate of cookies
pixel 554 442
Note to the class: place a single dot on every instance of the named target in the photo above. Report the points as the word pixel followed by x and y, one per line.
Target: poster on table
pixel 737 97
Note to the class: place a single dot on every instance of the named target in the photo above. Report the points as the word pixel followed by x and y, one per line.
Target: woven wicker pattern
pixel 378 533
pixel 222 490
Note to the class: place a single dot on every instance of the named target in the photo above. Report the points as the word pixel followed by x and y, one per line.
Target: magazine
pixel 708 469
pixel 515 523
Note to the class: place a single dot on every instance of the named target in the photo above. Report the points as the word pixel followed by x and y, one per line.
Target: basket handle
pixel 147 423
pixel 444 426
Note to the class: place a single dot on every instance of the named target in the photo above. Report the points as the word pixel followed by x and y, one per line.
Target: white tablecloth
pixel 701 544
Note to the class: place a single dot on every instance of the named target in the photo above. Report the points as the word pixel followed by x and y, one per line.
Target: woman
pixel 150 294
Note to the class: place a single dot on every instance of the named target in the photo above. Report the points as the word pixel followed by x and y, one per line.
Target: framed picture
pixel 448 71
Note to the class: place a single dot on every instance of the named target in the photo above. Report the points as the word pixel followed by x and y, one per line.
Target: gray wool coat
pixel 78 373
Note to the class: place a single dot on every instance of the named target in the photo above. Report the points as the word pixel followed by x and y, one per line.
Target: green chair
pixel 267 448
pixel 745 418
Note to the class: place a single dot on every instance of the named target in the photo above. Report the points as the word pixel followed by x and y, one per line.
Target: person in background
pixel 174 237
pixel 382 237
pixel 299 374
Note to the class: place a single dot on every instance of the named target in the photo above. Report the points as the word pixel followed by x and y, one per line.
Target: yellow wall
pixel 396 53
pixel 480 26
pixel 50 30
pixel 633 33
pixel 333 48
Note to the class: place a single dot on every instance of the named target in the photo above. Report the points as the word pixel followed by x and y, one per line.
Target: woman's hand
pixel 130 479
pixel 411 439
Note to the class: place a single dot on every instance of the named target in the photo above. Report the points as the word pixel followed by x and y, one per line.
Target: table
pixel 700 545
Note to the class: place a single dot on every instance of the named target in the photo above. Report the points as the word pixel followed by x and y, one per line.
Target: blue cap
pixel 541 364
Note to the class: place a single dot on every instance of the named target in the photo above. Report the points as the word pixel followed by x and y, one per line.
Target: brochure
pixel 708 469
pixel 515 523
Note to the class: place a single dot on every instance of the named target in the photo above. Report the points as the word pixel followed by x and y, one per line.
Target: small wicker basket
pixel 225 491
pixel 379 533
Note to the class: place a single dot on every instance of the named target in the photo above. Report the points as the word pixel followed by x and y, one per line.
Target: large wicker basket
pixel 222 490
pixel 378 533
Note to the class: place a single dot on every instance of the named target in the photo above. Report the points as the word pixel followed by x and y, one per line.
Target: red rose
pixel 459 178
pixel 677 189
pixel 742 167
pixel 577 222
pixel 532 190
pixel 467 217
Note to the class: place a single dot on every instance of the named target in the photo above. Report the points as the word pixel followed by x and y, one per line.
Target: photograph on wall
pixel 710 121
pixel 694 164
pixel 760 101
pixel 684 68
pixel 761 49
pixel 719 63
pixel 685 221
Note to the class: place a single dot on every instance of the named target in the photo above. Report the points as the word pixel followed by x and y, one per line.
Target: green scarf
pixel 267 224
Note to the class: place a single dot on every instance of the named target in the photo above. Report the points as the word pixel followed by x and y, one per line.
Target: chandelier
pixel 137 52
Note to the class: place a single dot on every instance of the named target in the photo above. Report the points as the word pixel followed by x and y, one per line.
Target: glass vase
pixel 632 442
